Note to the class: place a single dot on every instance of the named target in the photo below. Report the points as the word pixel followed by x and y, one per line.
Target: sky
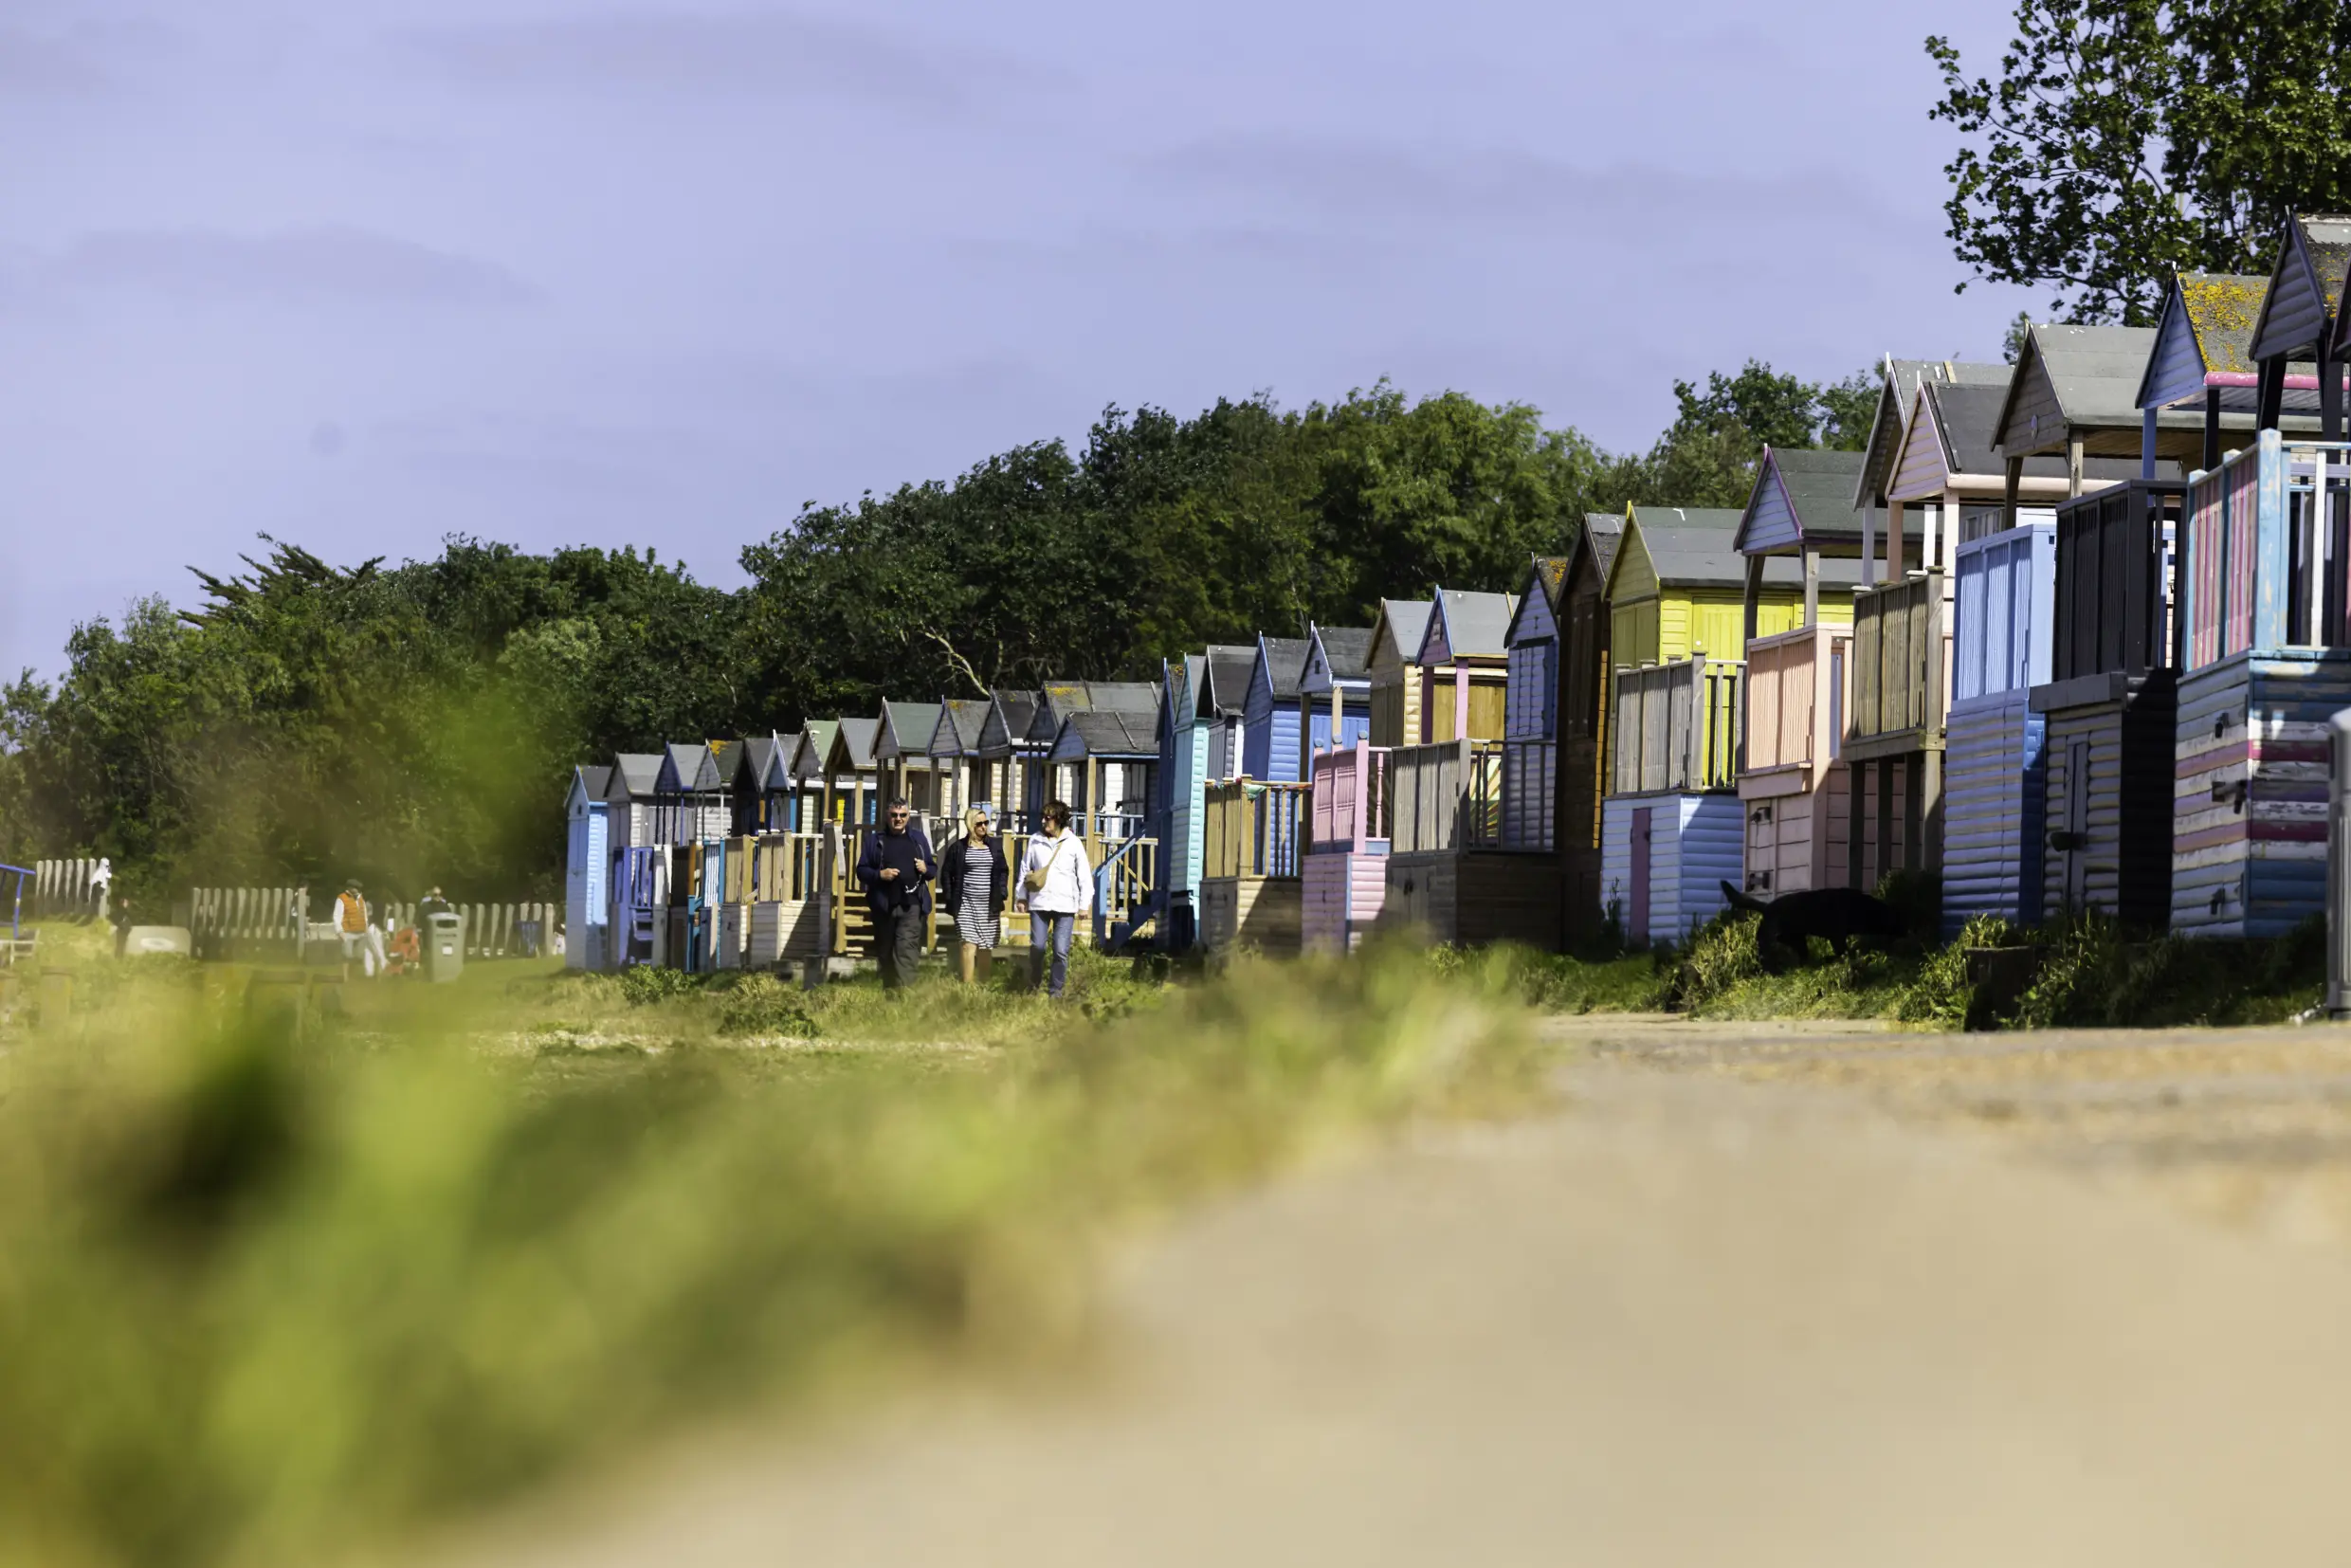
pixel 361 277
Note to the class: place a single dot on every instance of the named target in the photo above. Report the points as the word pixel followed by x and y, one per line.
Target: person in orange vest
pixel 351 924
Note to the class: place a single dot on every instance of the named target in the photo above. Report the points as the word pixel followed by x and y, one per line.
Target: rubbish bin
pixel 445 944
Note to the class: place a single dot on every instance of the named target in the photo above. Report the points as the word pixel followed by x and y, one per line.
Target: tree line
pixel 300 720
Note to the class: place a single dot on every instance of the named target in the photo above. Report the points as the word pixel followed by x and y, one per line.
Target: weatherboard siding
pixel 2251 779
pixel 1994 794
pixel 1341 897
pixel 1697 842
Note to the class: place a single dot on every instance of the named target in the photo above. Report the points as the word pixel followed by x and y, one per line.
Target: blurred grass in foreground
pixel 269 1302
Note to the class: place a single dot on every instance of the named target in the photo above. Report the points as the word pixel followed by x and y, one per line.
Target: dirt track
pixel 2057 1299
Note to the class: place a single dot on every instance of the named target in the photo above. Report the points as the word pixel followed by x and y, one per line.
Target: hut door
pixel 2077 824
pixel 1637 929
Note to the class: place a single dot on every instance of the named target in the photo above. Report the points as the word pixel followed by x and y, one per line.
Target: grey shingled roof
pixel 1347 649
pixel 594 779
pixel 1285 662
pixel 2095 372
pixel 1820 488
pixel 1107 732
pixel 1477 625
pixel 1965 418
pixel 911 725
pixel 1603 532
pixel 856 737
pixel 1226 689
pixel 1692 547
pixel 962 718
pixel 695 765
pixel 1407 622
pixel 637 771
pixel 756 756
pixel 1898 390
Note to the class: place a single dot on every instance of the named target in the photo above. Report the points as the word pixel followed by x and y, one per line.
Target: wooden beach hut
pixel 1220 703
pixel 1344 881
pixel 2202 364
pixel 587 867
pixel 1272 736
pixel 690 795
pixel 1395 682
pixel 1795 790
pixel 1583 719
pixel 966 778
pixel 1450 878
pixel 2074 396
pixel 901 756
pixel 1183 784
pixel 805 768
pixel 1880 515
pixel 1671 825
pixel 2298 322
pixel 640 880
pixel 1121 789
pixel 1114 755
pixel 1996 761
pixel 1014 761
pixel 2111 705
pixel 1253 846
pixel 1335 689
pixel 1530 736
pixel 852 777
pixel 759 787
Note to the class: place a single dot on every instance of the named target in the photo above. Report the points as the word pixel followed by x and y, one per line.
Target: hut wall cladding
pixel 1475 898
pixel 1697 842
pixel 1995 790
pixel 2249 848
pixel 1250 914
pixel 1797 842
pixel 1341 895
pixel 2110 805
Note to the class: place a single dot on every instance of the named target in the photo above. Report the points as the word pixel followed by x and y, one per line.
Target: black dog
pixel 1837 915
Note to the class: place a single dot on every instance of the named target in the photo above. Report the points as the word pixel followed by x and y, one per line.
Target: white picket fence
pixel 250 921
pixel 61 887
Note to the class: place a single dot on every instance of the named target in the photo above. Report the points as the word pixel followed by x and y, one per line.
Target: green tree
pixel 2126 139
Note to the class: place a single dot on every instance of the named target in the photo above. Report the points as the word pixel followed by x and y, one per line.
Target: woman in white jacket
pixel 1055 898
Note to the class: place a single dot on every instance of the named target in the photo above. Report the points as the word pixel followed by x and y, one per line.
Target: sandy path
pixel 1954 1312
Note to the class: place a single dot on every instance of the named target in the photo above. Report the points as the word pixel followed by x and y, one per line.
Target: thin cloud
pixel 32 66
pixel 1381 183
pixel 718 55
pixel 331 265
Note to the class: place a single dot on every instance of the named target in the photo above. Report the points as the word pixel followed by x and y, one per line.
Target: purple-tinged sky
pixel 363 275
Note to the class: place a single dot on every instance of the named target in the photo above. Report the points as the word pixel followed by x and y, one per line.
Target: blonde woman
pixel 971 881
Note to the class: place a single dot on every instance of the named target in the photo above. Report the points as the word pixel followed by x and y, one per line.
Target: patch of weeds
pixel 762 1004
pixel 643 985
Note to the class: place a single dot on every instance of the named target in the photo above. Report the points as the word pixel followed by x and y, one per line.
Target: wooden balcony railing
pixel 1677 726
pixel 1795 692
pixel 1902 651
pixel 1445 795
pixel 2269 550
pixel 1350 799
pixel 1252 829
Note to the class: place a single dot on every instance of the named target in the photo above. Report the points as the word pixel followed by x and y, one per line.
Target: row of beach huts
pixel 2065 635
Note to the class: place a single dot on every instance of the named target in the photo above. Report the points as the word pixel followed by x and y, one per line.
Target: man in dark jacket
pixel 895 869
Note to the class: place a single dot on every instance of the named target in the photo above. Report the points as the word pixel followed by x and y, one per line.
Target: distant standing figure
pixel 1056 885
pixel 102 885
pixel 972 880
pixel 895 869
pixel 351 924
pixel 430 905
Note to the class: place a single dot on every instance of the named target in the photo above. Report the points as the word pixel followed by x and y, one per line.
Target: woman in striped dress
pixel 972 879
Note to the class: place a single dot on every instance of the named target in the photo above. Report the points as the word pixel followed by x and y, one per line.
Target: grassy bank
pixel 265 1299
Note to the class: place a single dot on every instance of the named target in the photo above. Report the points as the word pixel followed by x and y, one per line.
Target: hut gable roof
pixel 1680 547
pixel 1603 532
pixel 1401 625
pixel 1104 733
pixel 905 729
pixel 960 721
pixel 591 783
pixel 2206 329
pixel 1179 679
pixel 1224 682
pixel 755 763
pixel 2071 380
pixel 634 774
pixel 1336 656
pixel 1898 388
pixel 689 767
pixel 852 745
pixel 1011 712
pixel 1464 624
pixel 1279 663
pixel 779 762
pixel 1538 613
pixel 1802 498
pixel 815 749
pixel 2305 287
